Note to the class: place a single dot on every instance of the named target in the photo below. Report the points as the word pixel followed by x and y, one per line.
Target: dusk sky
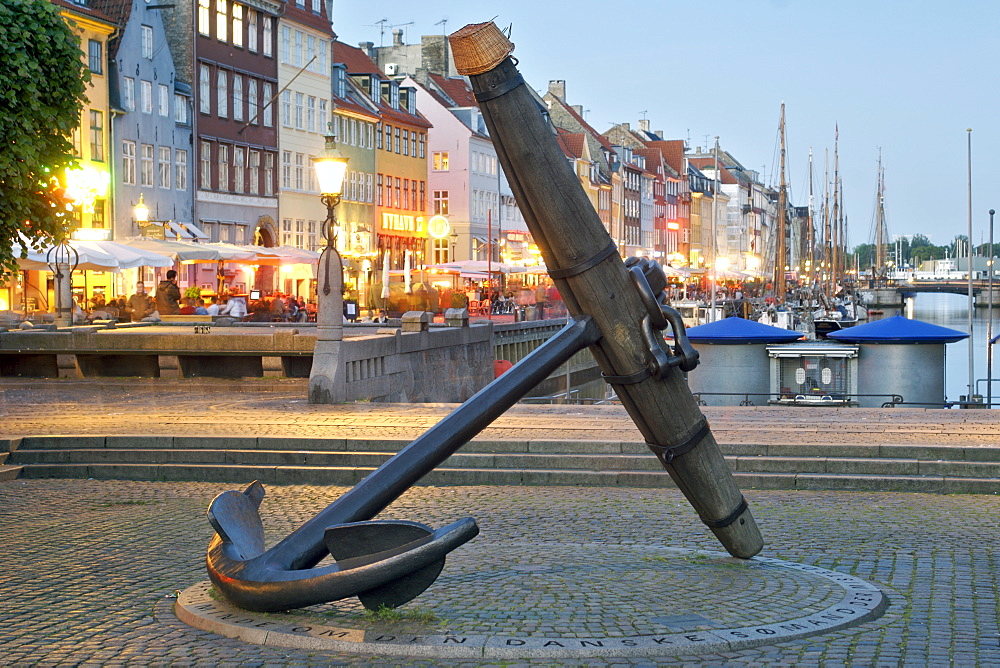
pixel 906 77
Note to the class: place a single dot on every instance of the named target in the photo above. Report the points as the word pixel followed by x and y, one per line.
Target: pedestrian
pixel 213 307
pixel 168 295
pixel 139 305
pixel 199 308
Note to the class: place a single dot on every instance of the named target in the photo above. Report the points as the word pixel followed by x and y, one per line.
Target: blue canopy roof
pixel 736 330
pixel 898 329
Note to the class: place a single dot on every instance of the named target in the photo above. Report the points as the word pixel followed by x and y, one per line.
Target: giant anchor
pixel 618 310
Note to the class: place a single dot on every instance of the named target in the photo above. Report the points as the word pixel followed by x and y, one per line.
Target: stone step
pixel 471 460
pixel 9 472
pixel 985 452
pixel 445 476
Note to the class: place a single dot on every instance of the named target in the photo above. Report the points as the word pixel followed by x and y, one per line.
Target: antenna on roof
pixel 642 114
pixel 382 24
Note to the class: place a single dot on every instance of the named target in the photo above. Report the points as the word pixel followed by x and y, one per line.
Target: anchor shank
pixel 575 244
pixel 304 547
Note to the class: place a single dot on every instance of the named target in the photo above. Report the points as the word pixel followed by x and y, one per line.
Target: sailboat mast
pixel 880 221
pixel 835 270
pixel 827 253
pixel 809 263
pixel 779 264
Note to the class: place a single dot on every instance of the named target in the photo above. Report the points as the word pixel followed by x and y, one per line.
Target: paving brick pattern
pixel 88 564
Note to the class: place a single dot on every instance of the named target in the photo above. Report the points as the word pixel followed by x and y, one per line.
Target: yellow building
pixel 88 184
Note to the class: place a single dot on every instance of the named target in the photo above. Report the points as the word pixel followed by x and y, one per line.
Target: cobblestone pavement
pixel 89 564
pixel 277 407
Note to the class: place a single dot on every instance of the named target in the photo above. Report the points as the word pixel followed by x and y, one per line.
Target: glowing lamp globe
pixel 331 168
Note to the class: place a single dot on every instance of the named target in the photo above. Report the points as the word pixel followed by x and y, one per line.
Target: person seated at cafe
pixel 187 307
pixel 234 307
pixel 200 309
pixel 278 311
pixel 381 317
pixel 213 307
pixel 140 304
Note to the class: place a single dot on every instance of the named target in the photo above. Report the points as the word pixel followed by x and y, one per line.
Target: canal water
pixel 952 311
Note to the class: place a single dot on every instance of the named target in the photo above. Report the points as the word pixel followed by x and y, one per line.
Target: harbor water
pixel 952 311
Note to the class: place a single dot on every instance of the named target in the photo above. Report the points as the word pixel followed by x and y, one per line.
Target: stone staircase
pixel 284 461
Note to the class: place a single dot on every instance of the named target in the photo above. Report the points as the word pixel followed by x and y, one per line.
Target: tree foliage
pixel 42 91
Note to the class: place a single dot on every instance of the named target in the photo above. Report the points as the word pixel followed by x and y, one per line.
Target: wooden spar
pixel 593 280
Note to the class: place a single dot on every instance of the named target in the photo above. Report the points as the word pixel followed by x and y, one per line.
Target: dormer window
pixel 340 80
pixel 374 88
pixel 394 95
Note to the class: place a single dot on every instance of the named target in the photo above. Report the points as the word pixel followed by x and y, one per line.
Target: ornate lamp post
pixel 326 380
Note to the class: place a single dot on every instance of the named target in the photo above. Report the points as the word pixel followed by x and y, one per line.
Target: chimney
pixel 578 108
pixel 558 88
pixel 658 133
pixel 626 127
pixel 397 37
pixel 644 124
pixel 368 48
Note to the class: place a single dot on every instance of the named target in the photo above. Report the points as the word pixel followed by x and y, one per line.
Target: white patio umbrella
pixel 407 285
pixel 385 276
pixel 177 250
pixel 85 258
pixel 128 257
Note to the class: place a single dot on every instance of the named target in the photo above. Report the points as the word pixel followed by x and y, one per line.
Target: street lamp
pixel 141 212
pixel 331 167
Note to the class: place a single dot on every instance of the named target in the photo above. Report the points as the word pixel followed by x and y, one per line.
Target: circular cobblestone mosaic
pixel 519 600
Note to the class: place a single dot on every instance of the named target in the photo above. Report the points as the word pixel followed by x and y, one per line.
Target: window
pixel 299 228
pixel 268 107
pixel 128 163
pixel 322 116
pixel 252 30
pixel 203 17
pixel 180 109
pixel 397 140
pixel 180 169
pixel 204 90
pixel 206 165
pixel 378 190
pixel 397 196
pixel 286 170
pixel 423 196
pixel 297 53
pixel 222 93
pixel 237 97
pixel 406 193
pixel 378 135
pixel 97 218
pixel 146 166
pixel 268 173
pixel 286 232
pixel 316 6
pixel 388 137
pixel 268 38
pixel 298 171
pixel 254 172
pixel 95 53
pixel 311 114
pixel 286 44
pixel 286 108
pixel 252 106
pixel 146 96
pixel 164 167
pixel 369 179
pixel 237 25
pixel 239 182
pixel 406 142
pixel 388 192
pixel 221 20
pixel 420 145
pixel 223 167
pixel 128 93
pixel 147 42
pixel 299 107
pixel 96 135
pixel 324 47
pixel 441 161
pixel 440 202
pixel 413 194
pixel 164 101
pixel 311 52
